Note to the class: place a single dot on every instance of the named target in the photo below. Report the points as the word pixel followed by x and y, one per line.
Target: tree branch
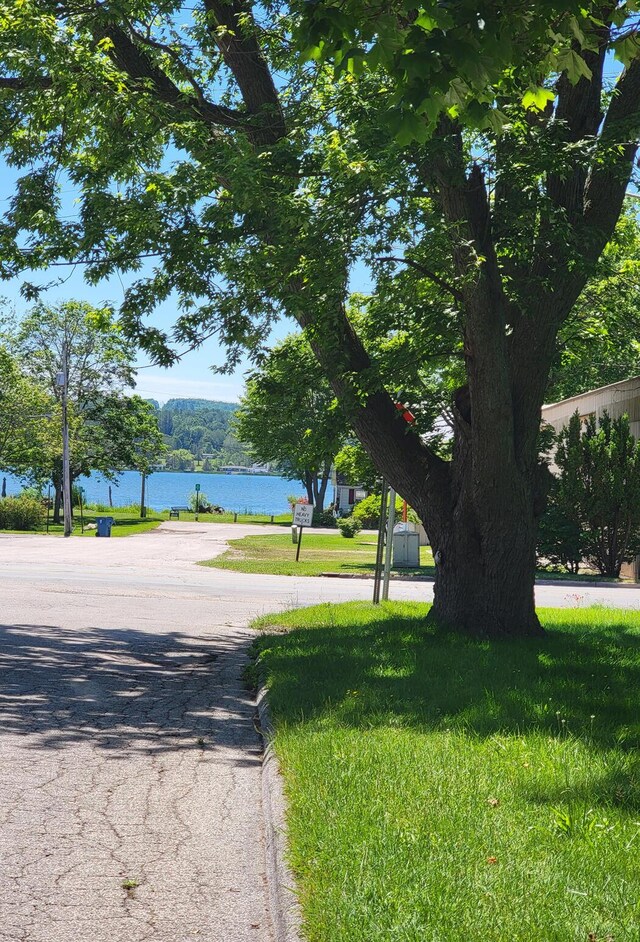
pixel 395 448
pixel 139 67
pixel 244 59
pixel 613 161
pixel 577 118
pixel 436 279
pixel 23 85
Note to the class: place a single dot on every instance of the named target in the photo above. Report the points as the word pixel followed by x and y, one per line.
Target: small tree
pixel 180 460
pixel 598 491
pixel 109 430
pixel 289 417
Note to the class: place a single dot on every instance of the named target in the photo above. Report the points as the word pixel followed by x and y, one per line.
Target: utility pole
pixel 63 381
pixel 143 509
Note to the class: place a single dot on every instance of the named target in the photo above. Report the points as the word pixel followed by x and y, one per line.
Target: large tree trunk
pixel 485 569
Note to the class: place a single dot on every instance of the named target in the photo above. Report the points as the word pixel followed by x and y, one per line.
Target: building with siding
pixel 615 399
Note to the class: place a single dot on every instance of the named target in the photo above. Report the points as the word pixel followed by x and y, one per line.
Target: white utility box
pixel 406 546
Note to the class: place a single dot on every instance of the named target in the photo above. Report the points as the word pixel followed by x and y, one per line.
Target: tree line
pixel 200 431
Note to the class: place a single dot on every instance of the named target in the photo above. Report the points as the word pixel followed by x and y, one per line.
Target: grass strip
pixel 443 789
pixel 276 555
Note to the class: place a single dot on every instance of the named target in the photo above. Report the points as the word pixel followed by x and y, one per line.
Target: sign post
pixel 302 517
pixel 197 500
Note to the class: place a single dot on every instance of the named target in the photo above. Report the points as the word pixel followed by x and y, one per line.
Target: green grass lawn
pixel 448 790
pixel 319 553
pixel 126 522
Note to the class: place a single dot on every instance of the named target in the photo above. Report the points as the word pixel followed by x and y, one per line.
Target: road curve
pixel 130 804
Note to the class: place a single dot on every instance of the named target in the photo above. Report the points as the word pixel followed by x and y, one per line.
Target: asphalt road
pixel 130 804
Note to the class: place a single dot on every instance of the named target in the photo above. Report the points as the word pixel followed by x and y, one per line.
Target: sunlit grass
pixel 442 789
pixel 276 555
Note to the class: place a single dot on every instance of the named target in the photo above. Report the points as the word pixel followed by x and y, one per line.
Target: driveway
pixel 130 803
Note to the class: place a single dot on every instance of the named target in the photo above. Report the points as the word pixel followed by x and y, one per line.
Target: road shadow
pixel 124 690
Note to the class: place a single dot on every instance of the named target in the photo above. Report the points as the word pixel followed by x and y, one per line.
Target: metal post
pixel 387 558
pixel 197 503
pixel 380 546
pixel 48 505
pixel 81 514
pixel 143 509
pixel 300 529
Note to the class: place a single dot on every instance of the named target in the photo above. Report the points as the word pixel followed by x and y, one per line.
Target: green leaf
pixel 574 65
pixel 536 98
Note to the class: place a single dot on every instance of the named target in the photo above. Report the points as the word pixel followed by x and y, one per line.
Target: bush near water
pixel 21 513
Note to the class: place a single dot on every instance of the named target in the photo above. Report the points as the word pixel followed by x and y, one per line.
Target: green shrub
pixel 21 513
pixel 367 511
pixel 323 519
pixel 349 526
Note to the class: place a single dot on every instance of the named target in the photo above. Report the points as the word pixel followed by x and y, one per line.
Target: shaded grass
pixel 443 789
pixel 276 555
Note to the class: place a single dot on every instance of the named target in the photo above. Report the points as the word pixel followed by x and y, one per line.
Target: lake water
pixel 250 493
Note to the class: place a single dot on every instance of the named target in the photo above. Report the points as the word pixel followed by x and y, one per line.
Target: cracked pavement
pixel 130 789
pixel 130 803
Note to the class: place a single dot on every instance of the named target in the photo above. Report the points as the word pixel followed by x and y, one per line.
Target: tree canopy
pixel 477 164
pixel 110 431
pixel 27 440
pixel 290 418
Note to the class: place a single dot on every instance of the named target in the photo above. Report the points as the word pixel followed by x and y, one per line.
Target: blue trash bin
pixel 104 525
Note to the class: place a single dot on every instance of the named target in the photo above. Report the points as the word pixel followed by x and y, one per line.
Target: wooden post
pixel 143 508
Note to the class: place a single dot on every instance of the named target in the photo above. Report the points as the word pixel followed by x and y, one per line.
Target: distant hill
pixel 195 405
pixel 200 431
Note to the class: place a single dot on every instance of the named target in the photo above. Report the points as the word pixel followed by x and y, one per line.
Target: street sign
pixel 303 515
pixel 197 487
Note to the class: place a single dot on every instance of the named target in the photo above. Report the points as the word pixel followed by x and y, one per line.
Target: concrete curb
pixel 569 583
pixel 283 902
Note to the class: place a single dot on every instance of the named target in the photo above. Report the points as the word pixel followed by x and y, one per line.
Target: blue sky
pixel 192 377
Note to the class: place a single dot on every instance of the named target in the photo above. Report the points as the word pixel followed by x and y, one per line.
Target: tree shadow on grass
pixel 580 683
pixel 401 673
pixel 124 690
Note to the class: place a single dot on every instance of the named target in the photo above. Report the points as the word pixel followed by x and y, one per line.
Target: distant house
pixel 243 469
pixel 346 496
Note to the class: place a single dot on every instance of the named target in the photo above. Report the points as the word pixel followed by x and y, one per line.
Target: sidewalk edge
pixel 283 902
